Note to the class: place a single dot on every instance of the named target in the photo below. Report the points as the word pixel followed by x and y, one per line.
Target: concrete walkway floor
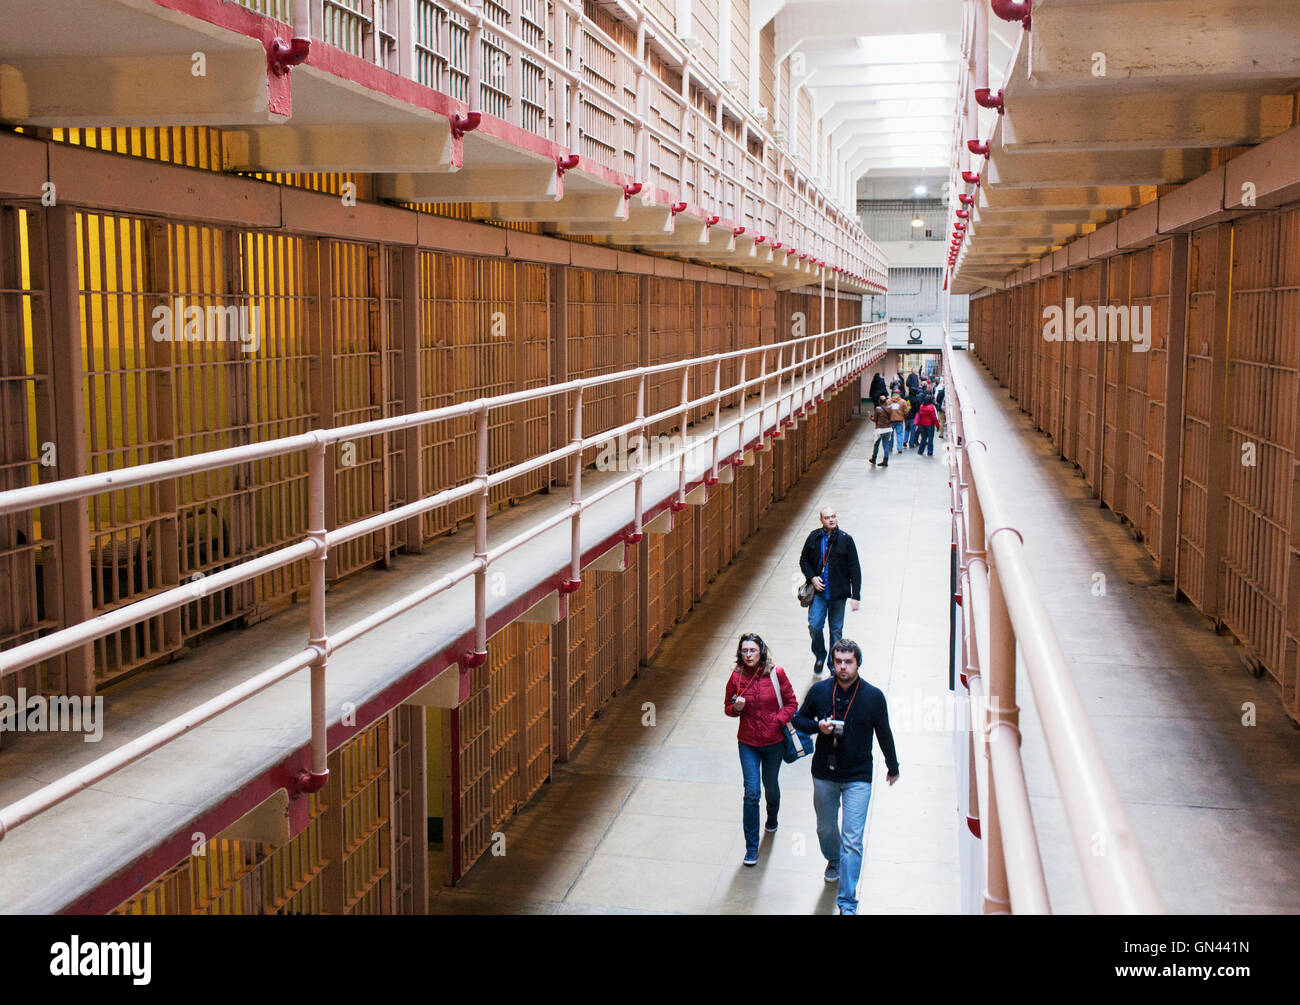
pixel 648 817
pixel 1214 803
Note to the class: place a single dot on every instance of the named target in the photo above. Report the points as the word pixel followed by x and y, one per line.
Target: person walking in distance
pixel 877 387
pixel 829 561
pixel 926 422
pixel 884 430
pixel 897 406
pixel 752 697
pixel 913 409
pixel 844 712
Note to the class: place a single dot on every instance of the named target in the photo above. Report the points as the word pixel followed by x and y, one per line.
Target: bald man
pixel 829 561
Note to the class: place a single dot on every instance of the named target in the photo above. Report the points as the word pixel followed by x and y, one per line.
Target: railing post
pixel 575 562
pixel 717 419
pixel 480 541
pixel 762 397
pixel 575 92
pixel 780 365
pixel 680 503
pixel 740 405
pixel 640 459
pixel 315 779
pixel 1000 708
pixel 474 93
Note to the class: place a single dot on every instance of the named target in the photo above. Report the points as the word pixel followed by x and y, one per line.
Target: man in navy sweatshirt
pixel 843 712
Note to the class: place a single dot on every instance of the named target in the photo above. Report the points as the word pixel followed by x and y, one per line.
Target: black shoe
pixel 770 826
pixel 884 464
pixel 871 460
pixel 817 669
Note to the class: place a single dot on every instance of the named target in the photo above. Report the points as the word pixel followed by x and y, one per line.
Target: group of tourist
pixel 842 712
pixel 907 414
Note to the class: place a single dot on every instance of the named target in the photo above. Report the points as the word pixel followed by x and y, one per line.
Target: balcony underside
pixel 141 63
pixel 1105 99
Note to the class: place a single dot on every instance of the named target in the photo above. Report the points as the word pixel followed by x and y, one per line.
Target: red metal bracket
pixel 963 214
pixel 959 227
pixel 760 239
pixel 1013 10
pixel 710 480
pixel 738 461
pixel 306 782
pixel 678 207
pixel 776 246
pixel 677 505
pixel 985 98
pixel 568 163
pixel 966 200
pixel 977 148
pixel 631 190
pixel 711 221
pixel 970 178
pixel 467 123
pixel 737 231
pixel 569 586
pixel 470 660
pixel 282 55
pixel 633 537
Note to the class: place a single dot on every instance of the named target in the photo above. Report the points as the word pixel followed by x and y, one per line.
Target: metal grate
pixel 28 541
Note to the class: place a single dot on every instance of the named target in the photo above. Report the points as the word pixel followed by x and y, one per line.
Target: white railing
pixel 804 371
pixel 1002 610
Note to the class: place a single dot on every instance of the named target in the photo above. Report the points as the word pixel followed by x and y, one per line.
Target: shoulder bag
pixel 797 744
pixel 808 591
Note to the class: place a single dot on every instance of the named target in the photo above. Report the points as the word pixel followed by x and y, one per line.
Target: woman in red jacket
pixel 752 697
pixel 926 421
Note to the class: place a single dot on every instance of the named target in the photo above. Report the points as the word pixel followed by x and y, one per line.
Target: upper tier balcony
pixel 524 110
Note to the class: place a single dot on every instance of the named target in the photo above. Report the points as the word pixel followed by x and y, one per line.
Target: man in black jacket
pixel 829 561
pixel 844 712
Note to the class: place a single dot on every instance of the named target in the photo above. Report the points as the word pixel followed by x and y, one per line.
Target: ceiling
pixel 882 76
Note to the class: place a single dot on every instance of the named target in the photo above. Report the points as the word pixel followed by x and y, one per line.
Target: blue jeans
pixel 756 762
pixel 818 612
pixel 926 440
pixel 899 432
pixel 886 438
pixel 910 436
pixel 842 846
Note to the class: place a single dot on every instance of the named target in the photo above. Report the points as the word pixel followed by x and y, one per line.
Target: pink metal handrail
pixel 850 350
pixel 1002 610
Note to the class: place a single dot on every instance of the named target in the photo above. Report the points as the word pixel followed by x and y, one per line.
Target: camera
pixel 837 727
